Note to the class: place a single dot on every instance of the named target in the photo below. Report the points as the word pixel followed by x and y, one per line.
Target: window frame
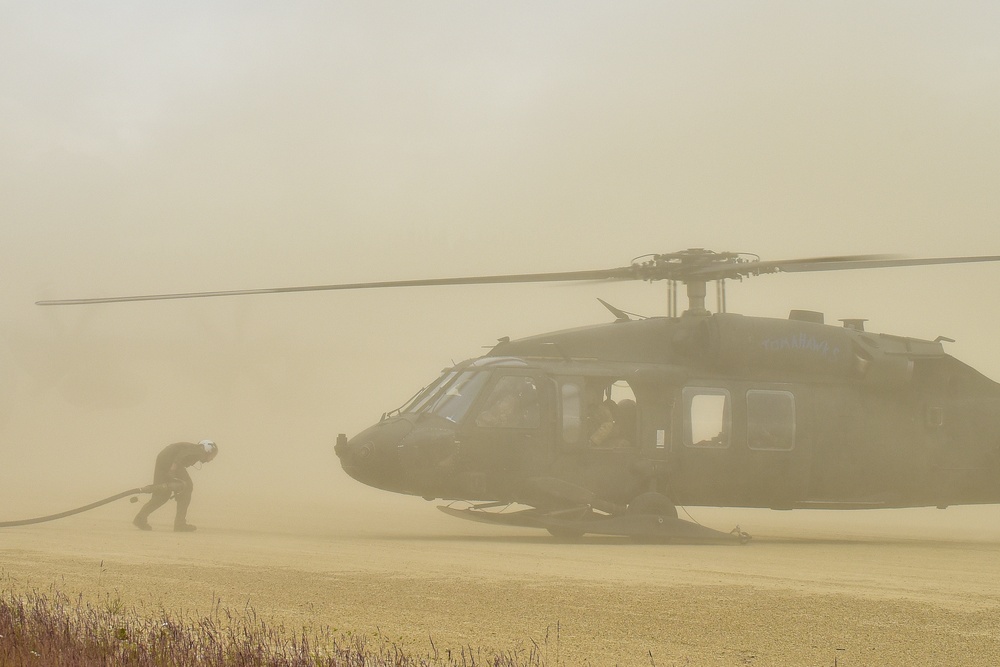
pixel 689 394
pixel 791 437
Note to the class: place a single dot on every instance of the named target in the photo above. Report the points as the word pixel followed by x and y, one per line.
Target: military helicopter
pixel 607 429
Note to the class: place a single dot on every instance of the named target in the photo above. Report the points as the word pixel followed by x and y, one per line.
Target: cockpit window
pixel 454 401
pixel 513 403
pixel 427 393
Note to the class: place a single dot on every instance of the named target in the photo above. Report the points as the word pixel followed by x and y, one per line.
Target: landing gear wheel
pixel 656 504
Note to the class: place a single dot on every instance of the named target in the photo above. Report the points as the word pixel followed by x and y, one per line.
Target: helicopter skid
pixel 642 527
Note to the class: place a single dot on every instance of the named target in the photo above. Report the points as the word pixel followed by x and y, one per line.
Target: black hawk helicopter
pixel 606 429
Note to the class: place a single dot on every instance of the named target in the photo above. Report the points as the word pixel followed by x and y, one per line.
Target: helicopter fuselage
pixel 714 410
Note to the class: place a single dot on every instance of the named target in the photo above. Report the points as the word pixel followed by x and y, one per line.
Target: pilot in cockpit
pixel 513 404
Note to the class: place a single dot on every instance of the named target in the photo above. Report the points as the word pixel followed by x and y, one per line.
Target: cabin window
pixel 572 411
pixel 707 420
pixel 513 403
pixel 770 420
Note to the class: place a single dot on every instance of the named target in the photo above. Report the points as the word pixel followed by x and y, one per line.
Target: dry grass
pixel 50 629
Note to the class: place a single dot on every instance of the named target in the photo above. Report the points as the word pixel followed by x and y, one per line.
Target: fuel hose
pixel 52 517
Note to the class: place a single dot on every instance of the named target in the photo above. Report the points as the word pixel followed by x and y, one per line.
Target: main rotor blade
pixel 624 273
pixel 843 263
pixel 694 267
pixel 875 263
pixel 735 269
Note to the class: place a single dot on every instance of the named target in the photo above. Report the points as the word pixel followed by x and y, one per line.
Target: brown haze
pixel 205 146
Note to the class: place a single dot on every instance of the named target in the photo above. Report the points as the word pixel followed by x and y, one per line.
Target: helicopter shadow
pixel 625 542
pixel 543 540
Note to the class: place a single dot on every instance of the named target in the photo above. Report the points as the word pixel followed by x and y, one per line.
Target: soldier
pixel 171 469
pixel 601 423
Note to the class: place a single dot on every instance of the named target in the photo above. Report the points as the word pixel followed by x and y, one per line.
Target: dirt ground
pixel 903 587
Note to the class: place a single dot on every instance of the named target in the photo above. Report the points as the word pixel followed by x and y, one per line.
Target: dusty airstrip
pixel 904 587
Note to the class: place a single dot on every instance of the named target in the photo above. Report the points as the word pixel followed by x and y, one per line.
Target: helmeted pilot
pixel 513 404
pixel 171 469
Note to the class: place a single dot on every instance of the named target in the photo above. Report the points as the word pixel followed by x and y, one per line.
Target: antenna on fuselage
pixel 620 315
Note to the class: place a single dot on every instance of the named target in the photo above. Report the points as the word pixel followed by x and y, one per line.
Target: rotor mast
pixel 696 292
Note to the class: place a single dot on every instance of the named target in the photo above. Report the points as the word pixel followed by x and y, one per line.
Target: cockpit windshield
pixel 428 392
pixel 457 397
pixel 449 396
pixel 453 392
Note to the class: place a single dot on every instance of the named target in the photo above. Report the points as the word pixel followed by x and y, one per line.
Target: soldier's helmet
pixel 211 449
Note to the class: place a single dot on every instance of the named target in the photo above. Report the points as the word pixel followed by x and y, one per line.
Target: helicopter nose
pixel 372 456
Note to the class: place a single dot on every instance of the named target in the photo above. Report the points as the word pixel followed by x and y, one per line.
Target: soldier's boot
pixel 180 519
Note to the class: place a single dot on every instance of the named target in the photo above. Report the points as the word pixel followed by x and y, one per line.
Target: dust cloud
pixel 206 146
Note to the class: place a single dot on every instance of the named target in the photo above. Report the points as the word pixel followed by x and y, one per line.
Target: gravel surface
pixel 808 591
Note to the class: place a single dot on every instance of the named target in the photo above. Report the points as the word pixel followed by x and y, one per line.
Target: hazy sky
pixel 219 145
